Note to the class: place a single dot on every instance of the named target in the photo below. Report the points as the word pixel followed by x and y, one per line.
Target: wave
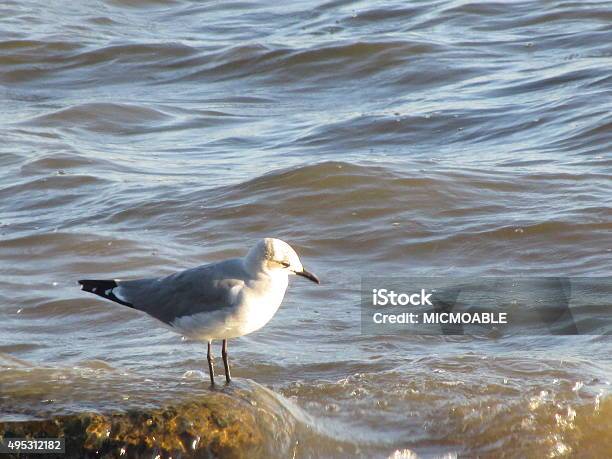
pixel 425 214
pixel 101 117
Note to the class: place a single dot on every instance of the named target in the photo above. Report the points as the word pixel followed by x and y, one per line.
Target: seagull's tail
pixel 103 288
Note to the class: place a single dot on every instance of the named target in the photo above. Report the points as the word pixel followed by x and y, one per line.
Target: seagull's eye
pixel 285 264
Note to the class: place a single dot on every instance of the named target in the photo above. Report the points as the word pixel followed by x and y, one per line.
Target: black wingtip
pixel 103 288
pixel 95 286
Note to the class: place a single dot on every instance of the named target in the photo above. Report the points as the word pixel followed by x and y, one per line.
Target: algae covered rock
pixel 231 423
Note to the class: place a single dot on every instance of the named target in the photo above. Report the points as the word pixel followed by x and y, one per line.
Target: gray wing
pixel 202 289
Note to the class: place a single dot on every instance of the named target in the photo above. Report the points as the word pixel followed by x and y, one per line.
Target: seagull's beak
pixel 308 275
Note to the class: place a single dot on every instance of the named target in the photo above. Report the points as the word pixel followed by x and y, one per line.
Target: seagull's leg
pixel 228 376
pixel 211 366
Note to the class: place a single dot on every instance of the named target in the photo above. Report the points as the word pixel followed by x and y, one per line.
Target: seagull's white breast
pixel 258 307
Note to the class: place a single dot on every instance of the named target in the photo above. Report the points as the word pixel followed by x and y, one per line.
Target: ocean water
pixel 426 138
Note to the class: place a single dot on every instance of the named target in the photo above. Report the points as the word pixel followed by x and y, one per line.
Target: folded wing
pixel 203 289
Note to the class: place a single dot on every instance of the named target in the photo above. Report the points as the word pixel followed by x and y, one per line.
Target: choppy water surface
pixel 419 138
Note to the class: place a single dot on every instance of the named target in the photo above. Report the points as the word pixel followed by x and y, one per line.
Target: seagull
pixel 217 301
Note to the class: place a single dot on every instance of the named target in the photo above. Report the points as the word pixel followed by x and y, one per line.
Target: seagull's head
pixel 276 257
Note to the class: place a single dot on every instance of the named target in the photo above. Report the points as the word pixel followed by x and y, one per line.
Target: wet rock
pixel 226 425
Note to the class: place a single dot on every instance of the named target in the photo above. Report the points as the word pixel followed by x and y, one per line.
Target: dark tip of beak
pixel 308 275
